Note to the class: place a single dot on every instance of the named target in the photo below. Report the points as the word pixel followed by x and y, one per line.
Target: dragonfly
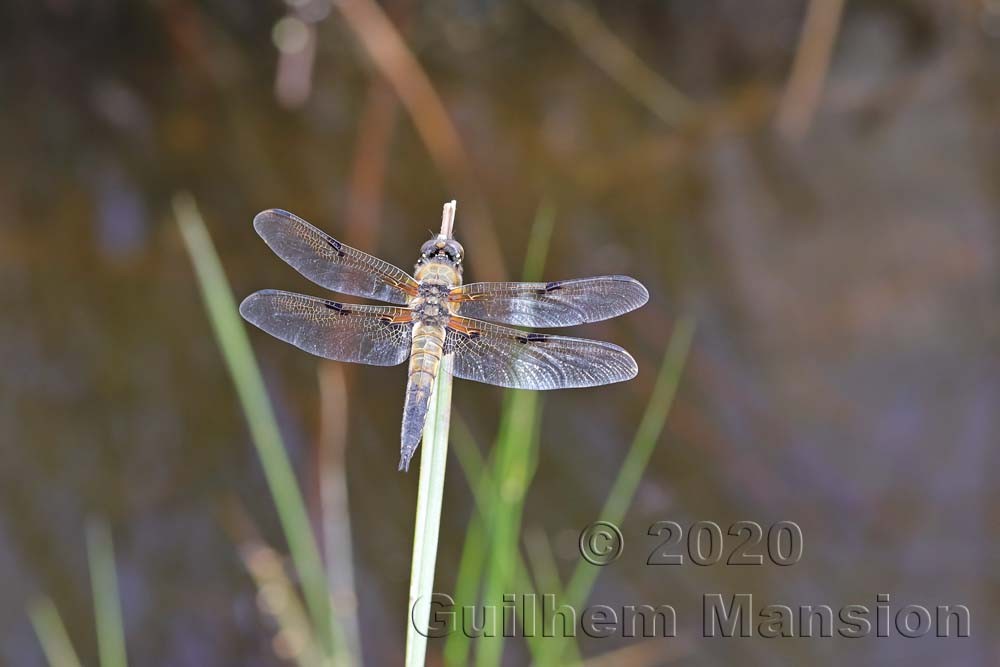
pixel 433 315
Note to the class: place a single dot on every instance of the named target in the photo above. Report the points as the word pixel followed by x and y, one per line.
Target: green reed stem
pixel 650 427
pixel 433 461
pixel 107 607
pixel 491 559
pixel 513 469
pixel 473 559
pixel 479 473
pixel 52 633
pixel 623 489
pixel 235 346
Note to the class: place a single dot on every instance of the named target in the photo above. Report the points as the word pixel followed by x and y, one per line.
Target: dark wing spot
pixel 333 305
pixel 336 245
pixel 522 339
pixel 553 286
pixel 536 338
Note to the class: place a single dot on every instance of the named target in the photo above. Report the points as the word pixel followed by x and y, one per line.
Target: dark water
pixel 844 374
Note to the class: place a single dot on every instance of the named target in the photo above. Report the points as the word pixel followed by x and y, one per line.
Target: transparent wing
pixel 557 304
pixel 376 335
pixel 328 262
pixel 505 357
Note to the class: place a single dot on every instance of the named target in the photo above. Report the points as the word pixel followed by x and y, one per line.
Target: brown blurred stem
pixel 812 61
pixel 334 509
pixel 584 27
pixel 375 129
pixel 276 592
pixel 396 62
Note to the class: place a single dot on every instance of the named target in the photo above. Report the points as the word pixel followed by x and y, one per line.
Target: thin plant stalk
pixel 513 470
pixel 514 465
pixel 279 597
pixel 810 68
pixel 398 65
pixel 623 489
pixel 491 544
pixel 107 607
pixel 334 511
pixel 651 426
pixel 238 355
pixel 584 27
pixel 430 493
pixel 277 594
pixel 473 559
pixel 52 633
pixel 479 475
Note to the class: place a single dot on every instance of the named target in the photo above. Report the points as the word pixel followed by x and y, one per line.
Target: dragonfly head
pixel 446 250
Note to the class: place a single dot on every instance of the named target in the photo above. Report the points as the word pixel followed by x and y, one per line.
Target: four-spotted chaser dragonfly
pixel 436 315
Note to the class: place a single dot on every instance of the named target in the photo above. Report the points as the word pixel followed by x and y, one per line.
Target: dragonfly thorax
pixel 430 306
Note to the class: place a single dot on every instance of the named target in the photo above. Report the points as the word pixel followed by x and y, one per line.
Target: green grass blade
pixel 543 561
pixel 538 242
pixel 473 559
pixel 107 607
pixel 235 346
pixel 433 461
pixel 545 574
pixel 52 633
pixel 458 645
pixel 470 460
pixel 513 469
pixel 650 427
pixel 514 463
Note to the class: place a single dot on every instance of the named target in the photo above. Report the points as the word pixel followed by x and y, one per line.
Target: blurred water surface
pixel 844 278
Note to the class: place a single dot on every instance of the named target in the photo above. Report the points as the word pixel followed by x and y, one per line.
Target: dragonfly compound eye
pixel 454 250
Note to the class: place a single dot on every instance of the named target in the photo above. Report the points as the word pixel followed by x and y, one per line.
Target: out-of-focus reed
pixel 491 562
pixel 48 624
pixel 52 633
pixel 235 347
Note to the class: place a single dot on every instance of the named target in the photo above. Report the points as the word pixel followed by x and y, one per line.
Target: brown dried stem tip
pixel 448 220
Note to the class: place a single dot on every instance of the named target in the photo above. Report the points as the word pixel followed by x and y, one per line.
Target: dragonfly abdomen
pixel 425 360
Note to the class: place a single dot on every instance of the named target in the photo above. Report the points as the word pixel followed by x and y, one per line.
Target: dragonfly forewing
pixel 330 263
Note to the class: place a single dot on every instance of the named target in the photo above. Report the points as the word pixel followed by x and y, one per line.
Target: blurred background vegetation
pixel 815 182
